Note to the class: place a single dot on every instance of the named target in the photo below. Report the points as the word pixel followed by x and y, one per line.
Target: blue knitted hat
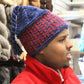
pixel 35 28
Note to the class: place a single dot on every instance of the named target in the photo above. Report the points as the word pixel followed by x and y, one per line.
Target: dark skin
pixel 57 53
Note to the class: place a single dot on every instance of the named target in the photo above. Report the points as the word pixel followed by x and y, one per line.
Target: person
pixel 44 37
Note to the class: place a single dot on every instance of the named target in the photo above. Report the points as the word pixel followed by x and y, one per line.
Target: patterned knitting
pixel 35 28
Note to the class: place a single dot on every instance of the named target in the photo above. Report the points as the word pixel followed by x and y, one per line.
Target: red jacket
pixel 37 73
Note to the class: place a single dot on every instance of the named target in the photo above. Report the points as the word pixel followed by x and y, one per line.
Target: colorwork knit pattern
pixel 44 27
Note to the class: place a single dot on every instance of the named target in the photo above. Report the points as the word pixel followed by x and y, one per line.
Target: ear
pixel 42 52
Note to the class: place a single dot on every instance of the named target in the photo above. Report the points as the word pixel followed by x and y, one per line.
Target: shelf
pixel 73 25
pixel 76 3
pixel 77 52
pixel 72 17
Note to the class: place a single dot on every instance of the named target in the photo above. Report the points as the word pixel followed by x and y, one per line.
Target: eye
pixel 62 40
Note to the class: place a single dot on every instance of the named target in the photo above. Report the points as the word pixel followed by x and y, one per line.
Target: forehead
pixel 63 33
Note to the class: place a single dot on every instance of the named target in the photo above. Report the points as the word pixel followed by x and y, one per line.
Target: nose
pixel 69 44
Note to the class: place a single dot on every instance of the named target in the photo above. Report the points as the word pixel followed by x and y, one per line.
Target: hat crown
pixel 22 18
pixel 27 15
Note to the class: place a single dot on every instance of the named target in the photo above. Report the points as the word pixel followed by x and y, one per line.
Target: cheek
pixel 59 50
pixel 56 53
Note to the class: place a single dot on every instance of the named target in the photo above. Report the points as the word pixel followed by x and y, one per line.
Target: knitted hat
pixel 35 28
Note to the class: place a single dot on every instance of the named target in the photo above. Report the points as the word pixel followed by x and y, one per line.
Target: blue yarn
pixel 16 48
pixel 26 16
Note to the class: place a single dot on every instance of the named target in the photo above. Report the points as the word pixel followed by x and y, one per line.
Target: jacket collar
pixel 41 70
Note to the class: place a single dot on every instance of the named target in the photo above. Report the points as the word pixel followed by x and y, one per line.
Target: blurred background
pixel 72 11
